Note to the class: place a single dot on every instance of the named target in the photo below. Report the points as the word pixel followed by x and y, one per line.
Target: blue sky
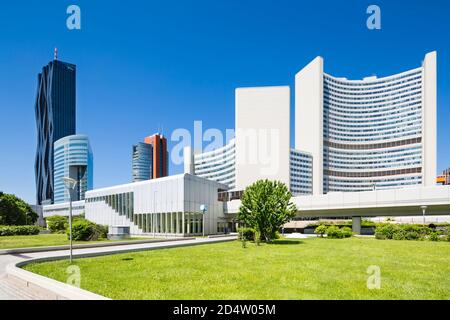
pixel 149 64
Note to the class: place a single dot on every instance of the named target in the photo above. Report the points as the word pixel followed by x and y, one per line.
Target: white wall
pixel 309 117
pixel 429 119
pixel 262 134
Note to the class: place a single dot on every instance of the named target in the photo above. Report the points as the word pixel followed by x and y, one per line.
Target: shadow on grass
pixel 286 242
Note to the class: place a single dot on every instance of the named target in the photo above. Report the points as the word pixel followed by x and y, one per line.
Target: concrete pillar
pixel 356 225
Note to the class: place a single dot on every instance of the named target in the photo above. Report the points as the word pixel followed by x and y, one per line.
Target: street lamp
pixel 70 185
pixel 424 208
pixel 203 209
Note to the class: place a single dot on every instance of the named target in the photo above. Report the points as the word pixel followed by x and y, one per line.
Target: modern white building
pixel 62 209
pixel 218 165
pixel 260 148
pixel 262 134
pixel 375 133
pixel 167 206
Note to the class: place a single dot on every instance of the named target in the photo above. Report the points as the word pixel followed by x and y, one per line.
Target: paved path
pixel 9 291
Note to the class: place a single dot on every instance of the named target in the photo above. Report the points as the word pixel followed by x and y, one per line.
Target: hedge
pixel 19 230
pixel 410 232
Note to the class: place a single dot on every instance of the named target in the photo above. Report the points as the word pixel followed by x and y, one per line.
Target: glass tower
pixel 142 164
pixel 55 110
pixel 72 158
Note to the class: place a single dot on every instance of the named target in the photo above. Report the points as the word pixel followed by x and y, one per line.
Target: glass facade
pixel 300 172
pixel 55 110
pixel 173 223
pixel 72 158
pixel 142 164
pixel 372 132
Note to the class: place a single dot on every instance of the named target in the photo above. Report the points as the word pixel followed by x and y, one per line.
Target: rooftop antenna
pixel 56 54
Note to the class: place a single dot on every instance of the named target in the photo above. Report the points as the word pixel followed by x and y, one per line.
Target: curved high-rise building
pixel 374 133
pixel 55 110
pixel 142 161
pixel 72 158
pixel 218 165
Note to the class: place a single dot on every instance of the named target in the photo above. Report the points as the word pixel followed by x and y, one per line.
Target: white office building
pixel 375 133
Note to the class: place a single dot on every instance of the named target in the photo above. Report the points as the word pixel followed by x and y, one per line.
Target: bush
pixel 346 232
pixel 249 233
pixel 399 234
pixel 321 230
pixel 434 236
pixel 380 236
pixel 57 224
pixel 334 232
pixel 412 235
pixel 387 230
pixel 403 232
pixel 84 230
pixel 19 230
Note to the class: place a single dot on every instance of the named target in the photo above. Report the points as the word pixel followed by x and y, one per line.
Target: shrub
pixel 84 230
pixel 380 236
pixel 387 230
pixel 412 235
pixel 57 224
pixel 321 230
pixel 19 230
pixel 334 232
pixel 346 232
pixel 249 233
pixel 434 236
pixel 399 234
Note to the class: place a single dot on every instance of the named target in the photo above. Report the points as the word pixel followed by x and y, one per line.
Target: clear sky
pixel 148 64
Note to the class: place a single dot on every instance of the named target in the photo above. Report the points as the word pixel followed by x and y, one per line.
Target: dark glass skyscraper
pixel 55 118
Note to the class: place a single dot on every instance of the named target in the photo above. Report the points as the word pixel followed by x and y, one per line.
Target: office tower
pixel 55 110
pixel 142 164
pixel 72 158
pixel 160 161
pixel 262 134
pixel 374 133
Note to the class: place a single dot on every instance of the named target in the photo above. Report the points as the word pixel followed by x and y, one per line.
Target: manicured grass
pixel 41 240
pixel 308 269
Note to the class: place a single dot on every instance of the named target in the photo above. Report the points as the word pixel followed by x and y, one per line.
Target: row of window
pixel 340 91
pixel 377 84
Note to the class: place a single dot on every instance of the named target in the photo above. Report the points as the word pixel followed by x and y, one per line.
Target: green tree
pixel 265 207
pixel 14 211
pixel 321 230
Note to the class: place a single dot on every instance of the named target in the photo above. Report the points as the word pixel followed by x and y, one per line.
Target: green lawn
pixel 41 240
pixel 308 269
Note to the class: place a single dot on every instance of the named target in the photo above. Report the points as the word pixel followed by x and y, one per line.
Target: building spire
pixel 56 54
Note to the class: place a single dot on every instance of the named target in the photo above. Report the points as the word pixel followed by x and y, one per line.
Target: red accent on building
pixel 159 143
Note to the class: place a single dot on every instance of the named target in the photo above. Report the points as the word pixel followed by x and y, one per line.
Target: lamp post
pixel 424 208
pixel 70 185
pixel 203 209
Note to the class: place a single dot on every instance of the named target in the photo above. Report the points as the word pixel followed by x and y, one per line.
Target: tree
pixel 265 207
pixel 321 230
pixel 14 211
